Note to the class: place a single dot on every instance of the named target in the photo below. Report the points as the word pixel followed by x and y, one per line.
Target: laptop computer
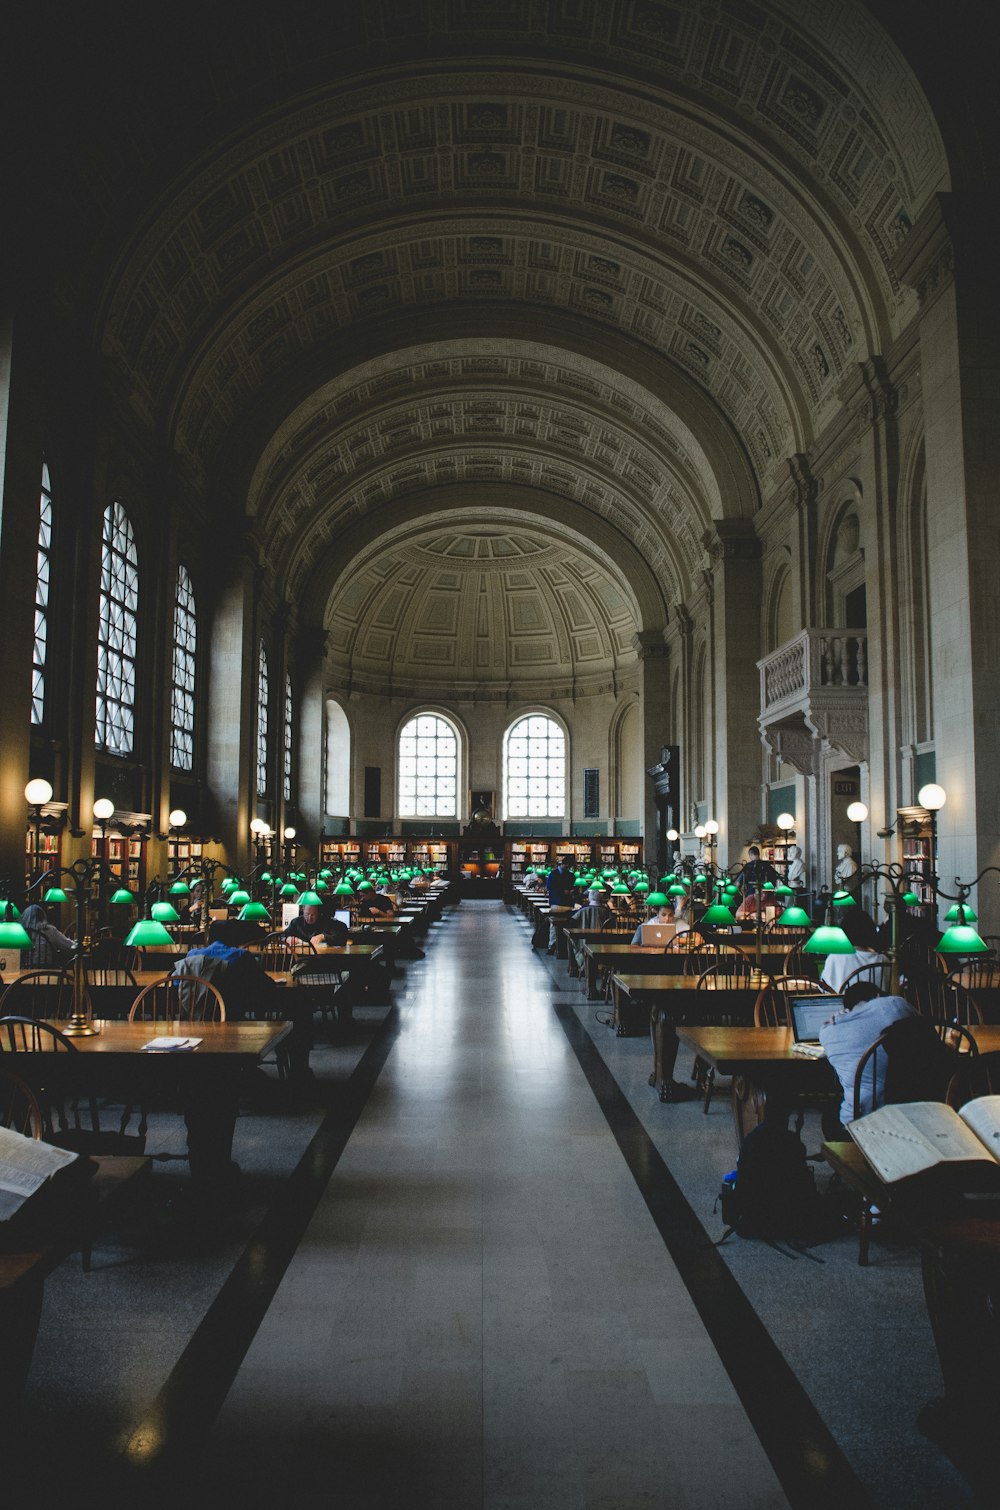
pixel 657 933
pixel 809 1013
pixel 342 916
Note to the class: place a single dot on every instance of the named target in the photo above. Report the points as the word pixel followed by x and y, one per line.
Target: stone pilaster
pixel 735 553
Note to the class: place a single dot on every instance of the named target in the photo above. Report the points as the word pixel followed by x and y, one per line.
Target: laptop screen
pixel 343 917
pixel 809 1013
pixel 657 933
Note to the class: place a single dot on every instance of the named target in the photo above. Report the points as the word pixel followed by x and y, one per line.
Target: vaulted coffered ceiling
pixel 611 257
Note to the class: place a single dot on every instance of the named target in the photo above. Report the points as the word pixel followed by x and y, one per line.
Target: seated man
pixel 313 926
pixel 848 1033
pixel 375 904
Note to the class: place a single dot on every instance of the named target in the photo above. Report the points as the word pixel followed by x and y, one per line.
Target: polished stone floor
pixel 481 1311
pixel 474 1266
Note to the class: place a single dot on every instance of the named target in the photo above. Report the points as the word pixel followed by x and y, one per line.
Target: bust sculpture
pixel 847 866
pixel 796 868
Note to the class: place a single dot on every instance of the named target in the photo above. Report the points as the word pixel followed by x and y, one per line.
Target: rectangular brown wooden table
pixel 203 1081
pixel 639 1002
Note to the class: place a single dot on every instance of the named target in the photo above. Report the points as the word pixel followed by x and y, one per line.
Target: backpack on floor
pixel 771 1194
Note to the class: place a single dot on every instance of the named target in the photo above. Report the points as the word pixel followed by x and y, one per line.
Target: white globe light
pixel 177 818
pixel 289 833
pixel 672 835
pixel 785 821
pixel 258 826
pixel 932 796
pixel 857 812
pixel 700 831
pixel 103 808
pixel 711 827
pixel 38 792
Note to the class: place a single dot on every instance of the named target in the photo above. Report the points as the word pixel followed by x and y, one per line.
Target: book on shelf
pixel 916 1138
pixel 26 1166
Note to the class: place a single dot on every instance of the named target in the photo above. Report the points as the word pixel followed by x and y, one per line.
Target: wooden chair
pixel 729 971
pixel 55 1091
pixel 878 975
pixel 772 1008
pixel 19 1108
pixel 177 998
pixel 44 994
pixel 278 954
pixel 798 963
pixel 933 995
pixel 684 943
pixel 977 1075
pixel 709 952
pixel 982 973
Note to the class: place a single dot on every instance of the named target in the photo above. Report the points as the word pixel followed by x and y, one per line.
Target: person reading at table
pixel 48 945
pixel 313 927
pixel 864 935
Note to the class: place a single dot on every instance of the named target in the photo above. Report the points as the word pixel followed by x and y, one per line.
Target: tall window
pixel 182 675
pixel 262 697
pixel 534 769
pixel 428 768
pixel 287 768
pixel 116 634
pixel 42 600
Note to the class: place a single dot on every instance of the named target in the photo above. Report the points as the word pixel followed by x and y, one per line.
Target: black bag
pixel 772 1192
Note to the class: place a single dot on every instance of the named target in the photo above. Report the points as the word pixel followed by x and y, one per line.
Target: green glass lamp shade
pixel 959 914
pixel 180 889
pixel 147 933
pixel 843 899
pixel 237 897
pixel 658 899
pixel 828 939
pixel 122 897
pixel 54 894
pixel 288 890
pixel 229 884
pixel 912 900
pixel 326 873
pixel 165 912
pixel 530 870
pixel 767 886
pixel 265 876
pixel 665 881
pixel 718 916
pixel 308 899
pixel 676 890
pixel 609 872
pixel 581 881
pixel 255 912
pixel 731 891
pixel 322 885
pixel 8 912
pixel 783 891
pixel 962 938
pixel 14 936
pixel 365 886
pixel 343 889
pixel 794 917
pixel 700 880
pixel 619 889
pixel 641 886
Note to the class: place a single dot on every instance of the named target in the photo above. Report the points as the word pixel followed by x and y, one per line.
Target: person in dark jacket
pixel 48 945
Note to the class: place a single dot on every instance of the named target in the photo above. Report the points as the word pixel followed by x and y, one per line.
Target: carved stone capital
pixel 796 746
pixel 649 645
pixel 844 729
pixel 926 258
pixel 732 540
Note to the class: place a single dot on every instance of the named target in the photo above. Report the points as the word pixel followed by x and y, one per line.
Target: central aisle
pixel 482 1312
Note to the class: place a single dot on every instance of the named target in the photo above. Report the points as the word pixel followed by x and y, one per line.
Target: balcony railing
pixel 827 660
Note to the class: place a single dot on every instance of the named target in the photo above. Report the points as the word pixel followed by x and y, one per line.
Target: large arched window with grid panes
pixel 263 693
pixel 427 766
pixel 534 769
pixel 42 590
pixel 116 634
pixel 182 675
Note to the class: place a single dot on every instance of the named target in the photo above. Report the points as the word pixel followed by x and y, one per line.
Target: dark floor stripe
pixel 185 1409
pixel 811 1467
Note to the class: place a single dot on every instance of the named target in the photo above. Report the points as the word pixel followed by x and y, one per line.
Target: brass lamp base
pixel 79 1026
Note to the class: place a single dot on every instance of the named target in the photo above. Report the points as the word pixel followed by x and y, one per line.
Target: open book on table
pixel 25 1166
pixel 914 1137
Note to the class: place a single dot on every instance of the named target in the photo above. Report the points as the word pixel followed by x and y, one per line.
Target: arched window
pixel 534 769
pixel 116 634
pixel 338 760
pixel 428 768
pixel 42 600
pixel 182 675
pixel 287 759
pixel 262 698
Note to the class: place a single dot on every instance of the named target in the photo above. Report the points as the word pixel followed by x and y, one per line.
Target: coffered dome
pixel 481 610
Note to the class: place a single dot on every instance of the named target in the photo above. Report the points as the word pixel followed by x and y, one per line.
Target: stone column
pixel 950 259
pixel 735 553
pixel 654 706
pixel 231 725
pixel 310 764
